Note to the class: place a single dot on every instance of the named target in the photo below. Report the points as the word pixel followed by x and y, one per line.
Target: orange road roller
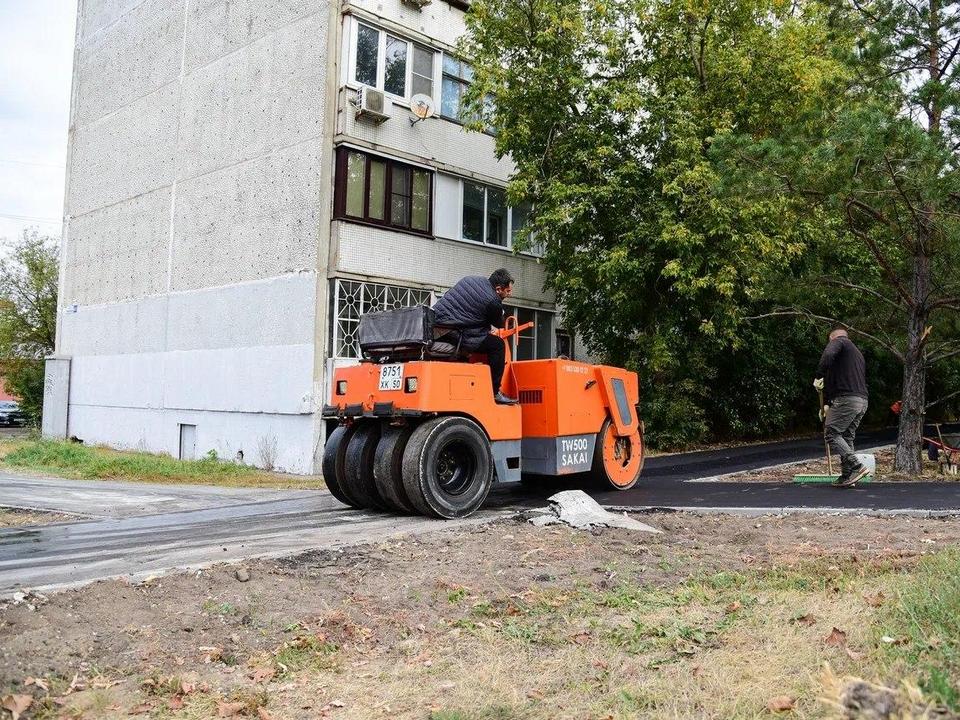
pixel 414 427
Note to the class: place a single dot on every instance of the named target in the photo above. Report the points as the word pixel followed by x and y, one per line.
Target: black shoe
pixel 501 399
pixel 855 476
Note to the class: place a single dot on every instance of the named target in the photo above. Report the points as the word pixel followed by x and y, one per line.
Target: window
pixel 352 299
pixel 533 343
pixel 456 79
pixel 391 64
pixel 382 191
pixel 485 215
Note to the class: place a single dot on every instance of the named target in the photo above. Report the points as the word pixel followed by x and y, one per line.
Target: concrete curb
pixel 724 476
pixel 760 511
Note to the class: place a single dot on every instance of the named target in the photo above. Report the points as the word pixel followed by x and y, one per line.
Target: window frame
pixel 485 230
pixel 340 191
pixel 512 309
pixel 381 72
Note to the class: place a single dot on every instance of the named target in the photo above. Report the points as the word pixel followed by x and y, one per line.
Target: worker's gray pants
pixel 843 419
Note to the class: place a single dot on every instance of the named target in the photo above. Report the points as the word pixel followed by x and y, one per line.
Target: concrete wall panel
pixel 125 154
pixel 435 140
pixel 272 312
pixel 274 379
pixel 117 380
pixel 219 27
pixel 158 431
pixel 253 220
pixel 115 328
pixel 119 252
pixel 269 94
pixel 133 57
pixel 99 14
pixel 439 263
pixel 438 20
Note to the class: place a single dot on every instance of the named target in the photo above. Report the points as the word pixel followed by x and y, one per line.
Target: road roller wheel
pixel 447 467
pixel 617 461
pixel 388 468
pixel 358 473
pixel 334 462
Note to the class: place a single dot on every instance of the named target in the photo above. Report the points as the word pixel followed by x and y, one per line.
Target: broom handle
pixel 825 443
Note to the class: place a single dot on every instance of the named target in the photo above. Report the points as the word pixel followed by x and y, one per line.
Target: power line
pixel 30 162
pixel 31 218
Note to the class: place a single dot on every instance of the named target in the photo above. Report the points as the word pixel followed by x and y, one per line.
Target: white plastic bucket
pixel 868 460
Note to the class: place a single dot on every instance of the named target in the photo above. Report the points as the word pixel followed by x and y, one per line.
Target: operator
pixel 841 374
pixel 473 306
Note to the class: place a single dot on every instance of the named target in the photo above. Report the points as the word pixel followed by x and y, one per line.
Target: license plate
pixel 391 377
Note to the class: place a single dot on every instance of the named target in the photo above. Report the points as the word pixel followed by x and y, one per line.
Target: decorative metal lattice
pixel 352 299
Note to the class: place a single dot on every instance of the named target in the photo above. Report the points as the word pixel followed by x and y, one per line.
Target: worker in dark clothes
pixel 473 306
pixel 841 374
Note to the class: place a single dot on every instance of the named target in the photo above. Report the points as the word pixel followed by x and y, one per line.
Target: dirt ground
pixel 14 518
pixel 885 473
pixel 718 617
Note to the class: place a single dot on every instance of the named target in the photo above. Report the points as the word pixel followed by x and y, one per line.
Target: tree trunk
pixel 907 458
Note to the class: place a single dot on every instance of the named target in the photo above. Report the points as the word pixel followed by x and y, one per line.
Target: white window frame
pixel 484 243
pixel 351 80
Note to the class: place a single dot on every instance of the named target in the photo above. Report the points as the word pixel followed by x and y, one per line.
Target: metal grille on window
pixel 352 299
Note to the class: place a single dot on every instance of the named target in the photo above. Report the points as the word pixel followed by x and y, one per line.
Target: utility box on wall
pixel 56 397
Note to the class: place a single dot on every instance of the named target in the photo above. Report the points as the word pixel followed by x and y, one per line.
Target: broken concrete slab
pixel 579 510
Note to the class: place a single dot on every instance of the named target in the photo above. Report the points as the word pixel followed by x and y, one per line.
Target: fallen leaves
pixel 781 703
pixel 16 704
pixel 806 620
pixel 230 709
pixel 875 600
pixel 836 638
pixel 733 607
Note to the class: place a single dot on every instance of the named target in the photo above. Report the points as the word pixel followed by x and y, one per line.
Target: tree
pixel 610 110
pixel 28 316
pixel 885 161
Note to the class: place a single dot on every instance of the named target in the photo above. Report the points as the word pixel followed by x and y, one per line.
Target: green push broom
pixel 831 477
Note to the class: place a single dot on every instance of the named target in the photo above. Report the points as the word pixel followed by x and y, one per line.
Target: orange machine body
pixel 564 397
pixel 426 388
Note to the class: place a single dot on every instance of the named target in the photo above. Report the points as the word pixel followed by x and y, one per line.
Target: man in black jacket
pixel 473 306
pixel 841 374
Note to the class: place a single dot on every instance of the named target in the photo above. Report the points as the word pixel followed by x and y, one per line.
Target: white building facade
pixel 229 216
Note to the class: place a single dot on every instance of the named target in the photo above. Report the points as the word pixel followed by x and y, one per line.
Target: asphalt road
pixel 137 530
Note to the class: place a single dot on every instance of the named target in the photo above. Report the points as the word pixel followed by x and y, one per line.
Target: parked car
pixel 11 415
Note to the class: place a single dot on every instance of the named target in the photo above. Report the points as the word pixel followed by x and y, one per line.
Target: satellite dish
pixel 422 107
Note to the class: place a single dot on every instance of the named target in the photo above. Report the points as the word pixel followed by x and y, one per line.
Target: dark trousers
pixel 843 419
pixel 496 358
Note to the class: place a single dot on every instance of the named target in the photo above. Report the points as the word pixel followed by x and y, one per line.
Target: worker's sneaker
pixel 501 399
pixel 858 474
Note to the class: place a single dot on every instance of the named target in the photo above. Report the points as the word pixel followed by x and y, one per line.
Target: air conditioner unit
pixel 418 4
pixel 373 104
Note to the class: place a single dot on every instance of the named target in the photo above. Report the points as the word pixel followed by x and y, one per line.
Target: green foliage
pixel 610 111
pixel 28 317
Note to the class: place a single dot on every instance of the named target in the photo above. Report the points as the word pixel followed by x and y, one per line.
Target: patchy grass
pixel 717 618
pixel 73 460
pixel 920 632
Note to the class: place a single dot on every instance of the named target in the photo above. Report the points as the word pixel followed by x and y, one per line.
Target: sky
pixel 36 64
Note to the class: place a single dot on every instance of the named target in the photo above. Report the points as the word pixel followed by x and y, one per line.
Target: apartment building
pixel 245 179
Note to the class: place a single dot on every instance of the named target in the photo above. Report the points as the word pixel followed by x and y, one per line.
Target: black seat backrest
pixel 405 334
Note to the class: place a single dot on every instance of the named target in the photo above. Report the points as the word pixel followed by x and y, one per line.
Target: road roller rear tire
pixel 447 467
pixel 388 468
pixel 334 462
pixel 617 461
pixel 358 472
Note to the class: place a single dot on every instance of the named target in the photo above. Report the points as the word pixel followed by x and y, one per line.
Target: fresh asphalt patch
pixel 140 529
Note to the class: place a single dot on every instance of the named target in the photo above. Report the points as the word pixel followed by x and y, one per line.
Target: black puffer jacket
pixel 473 306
